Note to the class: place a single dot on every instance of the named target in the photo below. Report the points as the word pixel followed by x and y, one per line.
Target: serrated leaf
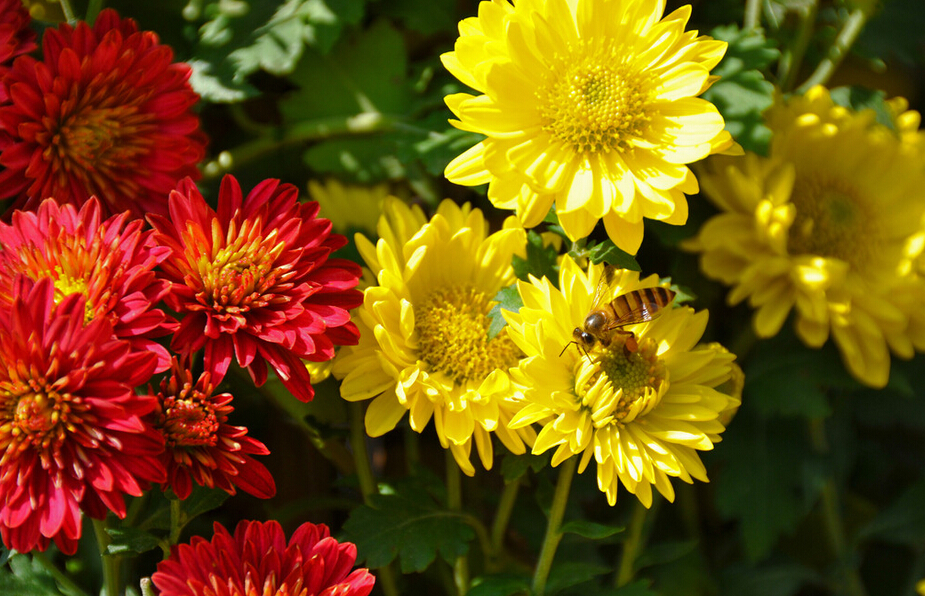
pixel 410 526
pixel 762 482
pixel 500 585
pixel 27 577
pixel 541 261
pixel 201 500
pixel 130 540
pixel 903 521
pixel 591 530
pixel 515 466
pixel 239 40
pixel 508 299
pixel 571 573
pixel 742 93
pixel 608 252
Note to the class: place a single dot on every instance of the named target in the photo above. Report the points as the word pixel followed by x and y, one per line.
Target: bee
pixel 605 320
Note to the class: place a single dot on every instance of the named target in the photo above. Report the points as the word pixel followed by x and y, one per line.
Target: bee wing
pixel 603 287
pixel 639 306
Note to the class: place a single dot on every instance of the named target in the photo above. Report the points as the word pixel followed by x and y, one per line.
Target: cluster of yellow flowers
pixel 590 109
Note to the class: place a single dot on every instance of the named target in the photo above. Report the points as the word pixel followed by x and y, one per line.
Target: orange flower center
pixel 592 100
pixel 188 419
pixel 33 416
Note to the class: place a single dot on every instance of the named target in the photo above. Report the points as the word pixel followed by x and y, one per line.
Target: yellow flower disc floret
pixel 425 347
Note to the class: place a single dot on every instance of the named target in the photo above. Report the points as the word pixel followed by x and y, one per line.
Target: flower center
pixel 637 376
pixel 32 415
pixel 832 220
pixel 452 326
pixel 242 273
pixel 593 100
pixel 101 138
pixel 188 419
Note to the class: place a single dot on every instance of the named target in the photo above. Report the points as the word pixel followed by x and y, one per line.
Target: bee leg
pixel 630 346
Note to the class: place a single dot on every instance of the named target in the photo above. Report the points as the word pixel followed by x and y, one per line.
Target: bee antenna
pixel 565 348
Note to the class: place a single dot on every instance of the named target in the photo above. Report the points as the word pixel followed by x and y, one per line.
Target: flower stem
pixel 837 52
pixel 68 11
pixel 385 575
pixel 503 515
pixel 360 454
pixel 632 546
pixel 93 10
pixel 853 585
pixel 553 535
pixel 454 503
pixel 112 576
pixel 752 14
pixel 792 57
pixel 62 578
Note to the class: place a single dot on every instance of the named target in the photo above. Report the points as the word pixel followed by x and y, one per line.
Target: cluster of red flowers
pixel 95 135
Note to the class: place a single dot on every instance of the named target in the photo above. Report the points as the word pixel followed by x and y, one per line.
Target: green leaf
pixel 571 573
pixel 27 577
pixel 239 39
pixel 587 529
pixel 775 579
pixel 665 552
pixel 895 30
pixel 903 522
pixel 742 93
pixel 508 299
pixel 500 585
pixel 608 252
pixel 424 16
pixel 130 540
pixel 640 587
pixel 763 483
pixel 862 98
pixel 541 261
pixel 409 525
pixel 515 466
pixel 201 500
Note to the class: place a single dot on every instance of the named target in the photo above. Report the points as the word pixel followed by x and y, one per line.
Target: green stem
pixel 68 11
pixel 503 515
pixel 363 469
pixel 412 449
pixel 310 130
pixel 454 503
pixel 368 487
pixel 632 546
pixel 62 578
pixel 93 10
pixel 147 587
pixel 831 515
pixel 792 57
pixel 553 535
pixel 752 14
pixel 837 52
pixel 112 580
pixel 176 523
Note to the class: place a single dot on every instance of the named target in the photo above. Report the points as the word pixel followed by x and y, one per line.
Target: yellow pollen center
pixel 637 373
pixel 832 220
pixel 452 326
pixel 593 100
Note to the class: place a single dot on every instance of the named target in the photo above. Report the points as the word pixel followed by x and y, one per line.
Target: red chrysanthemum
pixel 257 561
pixel 73 434
pixel 110 262
pixel 201 446
pixel 16 38
pixel 105 112
pixel 254 281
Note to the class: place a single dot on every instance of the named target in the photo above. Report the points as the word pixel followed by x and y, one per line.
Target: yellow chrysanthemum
pixel 349 207
pixel 424 345
pixel 822 226
pixel 642 414
pixel 590 105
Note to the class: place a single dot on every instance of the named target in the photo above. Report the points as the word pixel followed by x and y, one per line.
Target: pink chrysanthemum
pixel 110 262
pixel 258 560
pixel 73 434
pixel 16 38
pixel 254 281
pixel 201 446
pixel 105 112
